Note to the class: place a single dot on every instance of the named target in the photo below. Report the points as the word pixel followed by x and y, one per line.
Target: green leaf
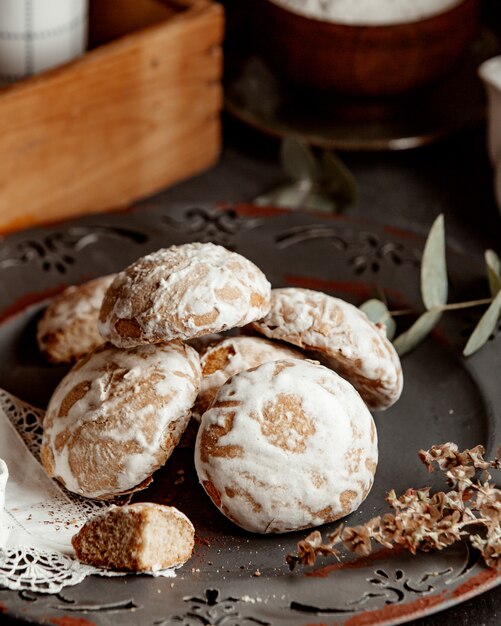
pixel 485 327
pixel 378 313
pixel 493 264
pixel 421 328
pixel 434 285
pixel 298 160
pixel 291 195
pixel 338 181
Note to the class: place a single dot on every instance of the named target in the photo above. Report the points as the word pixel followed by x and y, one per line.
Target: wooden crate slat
pixel 120 123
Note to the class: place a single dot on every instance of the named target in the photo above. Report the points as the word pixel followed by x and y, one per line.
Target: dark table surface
pixel 404 189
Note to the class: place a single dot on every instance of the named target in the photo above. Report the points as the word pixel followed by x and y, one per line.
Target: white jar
pixel 490 73
pixel 36 35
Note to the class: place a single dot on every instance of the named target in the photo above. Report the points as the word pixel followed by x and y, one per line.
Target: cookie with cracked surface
pixel 183 292
pixel 340 336
pixel 286 446
pixel 117 415
pixel 231 356
pixel 68 328
pixel 140 537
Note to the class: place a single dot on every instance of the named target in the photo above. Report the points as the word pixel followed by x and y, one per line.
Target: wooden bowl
pixel 364 60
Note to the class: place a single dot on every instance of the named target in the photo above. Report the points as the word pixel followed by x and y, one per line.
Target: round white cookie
pixel 342 337
pixel 183 292
pixel 68 328
pixel 231 356
pixel 117 415
pixel 285 446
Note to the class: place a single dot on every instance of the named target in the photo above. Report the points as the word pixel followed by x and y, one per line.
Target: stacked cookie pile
pixel 286 440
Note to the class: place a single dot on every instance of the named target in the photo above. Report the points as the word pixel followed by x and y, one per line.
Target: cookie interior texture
pixel 183 292
pixel 139 537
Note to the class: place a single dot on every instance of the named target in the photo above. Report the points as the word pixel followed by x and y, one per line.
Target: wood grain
pixel 122 122
pixel 358 60
pixel 109 19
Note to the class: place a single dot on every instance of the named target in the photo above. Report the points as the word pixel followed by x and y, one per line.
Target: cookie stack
pixel 286 440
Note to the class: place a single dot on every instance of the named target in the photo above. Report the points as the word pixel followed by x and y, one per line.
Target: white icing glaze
pixel 68 327
pixel 278 467
pixel 342 337
pixel 242 353
pixel 182 292
pixel 368 12
pixel 130 410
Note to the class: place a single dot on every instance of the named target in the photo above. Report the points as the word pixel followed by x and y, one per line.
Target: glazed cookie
pixel 342 337
pixel 140 537
pixel 183 292
pixel 285 446
pixel 68 327
pixel 117 415
pixel 231 356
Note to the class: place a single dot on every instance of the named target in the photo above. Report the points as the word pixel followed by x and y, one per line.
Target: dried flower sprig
pixel 421 521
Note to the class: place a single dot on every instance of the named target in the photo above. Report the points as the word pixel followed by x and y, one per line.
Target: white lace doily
pixel 40 517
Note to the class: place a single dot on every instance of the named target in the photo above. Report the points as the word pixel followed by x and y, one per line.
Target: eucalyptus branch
pixel 317 181
pixel 445 307
pixel 465 305
pixel 434 293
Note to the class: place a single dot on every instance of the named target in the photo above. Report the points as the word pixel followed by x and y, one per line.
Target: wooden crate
pixel 138 112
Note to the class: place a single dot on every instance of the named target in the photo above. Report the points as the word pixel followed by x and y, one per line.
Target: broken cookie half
pixel 140 537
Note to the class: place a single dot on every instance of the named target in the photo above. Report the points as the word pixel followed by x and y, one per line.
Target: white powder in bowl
pixel 368 12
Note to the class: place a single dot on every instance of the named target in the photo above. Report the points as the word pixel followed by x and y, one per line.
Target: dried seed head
pixel 427 522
